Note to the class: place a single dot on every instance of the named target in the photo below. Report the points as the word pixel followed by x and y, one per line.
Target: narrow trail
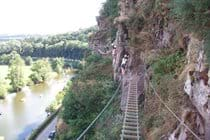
pixel 130 129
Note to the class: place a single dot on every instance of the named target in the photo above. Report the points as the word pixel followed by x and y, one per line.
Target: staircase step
pixel 129 97
pixel 131 120
pixel 130 137
pixel 132 102
pixel 131 117
pixel 129 132
pixel 131 113
pixel 134 99
pixel 131 127
pixel 131 123
pixel 132 108
pixel 132 105
pixel 133 92
pixel 132 95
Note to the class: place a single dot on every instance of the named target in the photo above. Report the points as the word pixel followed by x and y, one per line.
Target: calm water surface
pixel 22 112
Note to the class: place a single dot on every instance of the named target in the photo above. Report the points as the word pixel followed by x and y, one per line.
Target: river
pixel 24 111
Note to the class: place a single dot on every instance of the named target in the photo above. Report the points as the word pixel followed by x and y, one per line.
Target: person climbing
pixel 123 64
pixel 114 53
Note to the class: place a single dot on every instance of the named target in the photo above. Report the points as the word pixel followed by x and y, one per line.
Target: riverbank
pixel 41 127
pixel 19 119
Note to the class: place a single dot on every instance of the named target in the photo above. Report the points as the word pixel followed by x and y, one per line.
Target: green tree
pixel 82 105
pixel 15 74
pixel 87 95
pixel 28 60
pixel 57 64
pixel 40 71
pixel 3 89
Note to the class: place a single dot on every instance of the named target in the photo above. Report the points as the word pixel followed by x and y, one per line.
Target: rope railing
pixel 100 114
pixel 169 109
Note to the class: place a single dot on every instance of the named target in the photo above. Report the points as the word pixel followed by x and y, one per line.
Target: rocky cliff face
pixel 145 31
pixel 195 86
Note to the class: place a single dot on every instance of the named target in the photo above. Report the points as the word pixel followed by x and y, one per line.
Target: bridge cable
pixel 99 115
pixel 168 108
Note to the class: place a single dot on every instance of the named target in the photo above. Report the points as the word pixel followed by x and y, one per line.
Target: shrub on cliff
pixel 110 9
pixel 167 65
pixel 192 13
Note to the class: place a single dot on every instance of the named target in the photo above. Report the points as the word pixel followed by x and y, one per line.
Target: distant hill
pixel 11 37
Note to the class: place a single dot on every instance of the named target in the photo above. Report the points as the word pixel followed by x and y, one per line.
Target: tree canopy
pixel 57 64
pixel 15 74
pixel 40 71
pixel 69 45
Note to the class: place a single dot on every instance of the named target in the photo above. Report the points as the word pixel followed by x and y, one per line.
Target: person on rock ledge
pixel 114 53
pixel 124 63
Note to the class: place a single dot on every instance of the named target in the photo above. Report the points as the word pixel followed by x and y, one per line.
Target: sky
pixel 47 16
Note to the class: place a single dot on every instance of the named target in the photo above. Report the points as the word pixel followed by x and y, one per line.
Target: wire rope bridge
pixel 130 129
pixel 131 126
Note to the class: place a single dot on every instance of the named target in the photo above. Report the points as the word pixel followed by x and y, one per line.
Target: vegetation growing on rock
pixel 88 94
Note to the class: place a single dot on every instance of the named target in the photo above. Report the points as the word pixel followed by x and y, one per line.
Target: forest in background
pixel 69 45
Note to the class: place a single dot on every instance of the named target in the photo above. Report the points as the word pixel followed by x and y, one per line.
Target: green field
pixel 4 71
